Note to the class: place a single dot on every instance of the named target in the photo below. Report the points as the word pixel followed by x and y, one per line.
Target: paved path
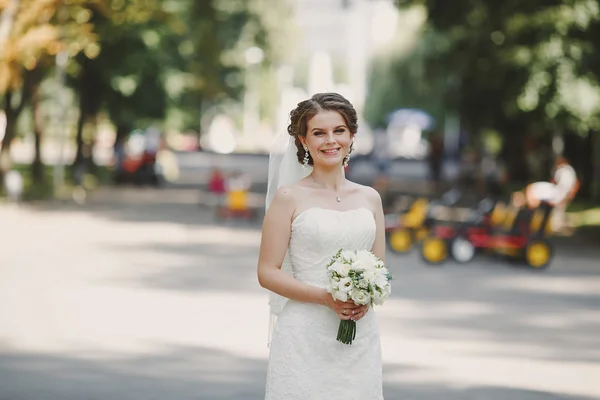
pixel 142 295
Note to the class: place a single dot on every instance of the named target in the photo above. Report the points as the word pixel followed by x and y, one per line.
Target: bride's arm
pixel 275 239
pixel 379 244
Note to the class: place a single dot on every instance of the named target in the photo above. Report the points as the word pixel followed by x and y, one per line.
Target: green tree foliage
pixel 522 57
pixel 405 80
pixel 210 63
pixel 525 68
pixel 125 78
pixel 31 33
pixel 139 62
pixel 164 63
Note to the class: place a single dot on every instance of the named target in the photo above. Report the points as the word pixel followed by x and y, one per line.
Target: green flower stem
pixel 346 331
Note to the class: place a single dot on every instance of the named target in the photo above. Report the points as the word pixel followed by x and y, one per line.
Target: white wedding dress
pixel 306 361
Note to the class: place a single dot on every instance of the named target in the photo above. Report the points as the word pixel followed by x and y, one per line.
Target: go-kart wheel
pixel 538 253
pixel 434 250
pixel 462 250
pixel 400 241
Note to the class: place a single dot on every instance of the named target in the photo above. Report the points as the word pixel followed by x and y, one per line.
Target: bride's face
pixel 328 138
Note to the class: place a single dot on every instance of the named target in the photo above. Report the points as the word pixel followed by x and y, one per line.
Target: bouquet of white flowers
pixel 358 276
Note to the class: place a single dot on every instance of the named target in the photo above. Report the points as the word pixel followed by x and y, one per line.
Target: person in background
pixel 217 185
pixel 558 192
pixel 435 158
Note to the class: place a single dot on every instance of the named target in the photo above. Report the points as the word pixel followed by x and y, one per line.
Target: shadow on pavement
pixel 177 206
pixel 500 311
pixel 226 266
pixel 175 374
pixel 508 312
pixel 190 374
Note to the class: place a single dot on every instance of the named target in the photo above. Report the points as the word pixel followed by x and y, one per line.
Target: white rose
pixel 345 284
pixel 369 275
pixel 363 284
pixel 332 286
pixel 362 260
pixel 348 255
pixel 378 298
pixel 381 281
pixel 366 257
pixel 339 295
pixel 340 268
pixel 360 297
pixel 358 265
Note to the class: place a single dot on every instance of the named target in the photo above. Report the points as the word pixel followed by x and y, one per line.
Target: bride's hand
pixel 347 309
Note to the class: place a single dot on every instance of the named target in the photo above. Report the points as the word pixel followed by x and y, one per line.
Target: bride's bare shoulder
pixel 367 191
pixel 371 195
pixel 289 195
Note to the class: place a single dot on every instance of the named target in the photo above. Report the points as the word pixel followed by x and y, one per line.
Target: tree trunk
pixel 84 110
pixel 587 164
pixel 5 160
pixel 88 153
pixel 79 136
pixel 12 114
pixel 122 133
pixel 578 151
pixel 88 111
pixel 595 161
pixel 37 168
pixel 513 153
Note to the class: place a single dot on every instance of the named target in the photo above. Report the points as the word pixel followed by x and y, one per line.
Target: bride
pixel 314 212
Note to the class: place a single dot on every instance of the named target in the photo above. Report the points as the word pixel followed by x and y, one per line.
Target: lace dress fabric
pixel 306 362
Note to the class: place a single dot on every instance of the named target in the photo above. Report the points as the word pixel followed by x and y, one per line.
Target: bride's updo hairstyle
pixel 307 109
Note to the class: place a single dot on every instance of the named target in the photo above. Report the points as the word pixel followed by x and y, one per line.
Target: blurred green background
pixel 517 80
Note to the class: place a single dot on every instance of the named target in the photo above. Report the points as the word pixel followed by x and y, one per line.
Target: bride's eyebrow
pixel 319 129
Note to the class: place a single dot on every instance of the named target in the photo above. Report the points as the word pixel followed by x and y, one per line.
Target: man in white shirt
pixel 559 192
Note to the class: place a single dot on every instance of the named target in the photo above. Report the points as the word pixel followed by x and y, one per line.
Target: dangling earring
pixel 347 158
pixel 305 161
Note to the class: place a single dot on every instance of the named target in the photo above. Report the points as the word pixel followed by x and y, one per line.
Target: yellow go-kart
pixel 404 230
pixel 524 237
pixel 407 230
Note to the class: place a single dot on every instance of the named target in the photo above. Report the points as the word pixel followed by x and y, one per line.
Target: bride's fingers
pixel 362 313
pixel 352 313
pixel 350 310
pixel 350 304
pixel 345 314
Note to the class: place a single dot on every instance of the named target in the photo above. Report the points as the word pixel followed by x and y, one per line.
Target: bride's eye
pixel 341 130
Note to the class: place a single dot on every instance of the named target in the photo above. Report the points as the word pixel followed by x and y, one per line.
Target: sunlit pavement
pixel 141 294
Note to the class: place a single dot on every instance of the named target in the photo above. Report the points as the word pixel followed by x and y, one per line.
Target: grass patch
pixel 585 217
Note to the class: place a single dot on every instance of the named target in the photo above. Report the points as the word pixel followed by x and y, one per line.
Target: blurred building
pixel 343 35
pixel 337 39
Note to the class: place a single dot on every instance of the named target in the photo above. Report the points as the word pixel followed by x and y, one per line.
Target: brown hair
pixel 307 109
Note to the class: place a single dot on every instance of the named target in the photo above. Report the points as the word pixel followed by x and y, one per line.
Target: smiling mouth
pixel 331 151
